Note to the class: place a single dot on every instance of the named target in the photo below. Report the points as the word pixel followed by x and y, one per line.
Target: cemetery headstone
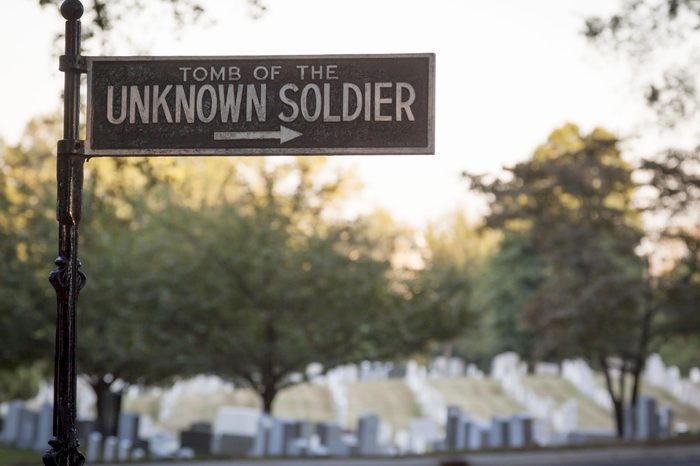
pixel 128 427
pixel 499 435
pixel 109 455
pixel 44 427
pixel 261 435
pixel 84 428
pixel 198 437
pixel 331 437
pixel 665 422
pixel 237 421
pixel 124 450
pixel 480 435
pixel 231 444
pixel 423 432
pixel 454 433
pixel 275 442
pixel 520 431
pixel 368 435
pixel 94 445
pixel 646 418
pixel 29 422
pixel 11 426
pixel 138 454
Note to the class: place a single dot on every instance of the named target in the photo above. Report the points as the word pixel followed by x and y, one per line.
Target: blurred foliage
pixel 570 208
pixel 103 17
pixel 20 383
pixel 660 40
pixel 237 267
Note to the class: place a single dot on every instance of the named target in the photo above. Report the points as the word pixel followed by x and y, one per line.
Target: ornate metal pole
pixel 66 277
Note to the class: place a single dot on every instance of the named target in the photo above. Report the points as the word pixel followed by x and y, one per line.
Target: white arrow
pixel 284 134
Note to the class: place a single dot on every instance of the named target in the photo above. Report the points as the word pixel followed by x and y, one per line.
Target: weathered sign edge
pixel 429 149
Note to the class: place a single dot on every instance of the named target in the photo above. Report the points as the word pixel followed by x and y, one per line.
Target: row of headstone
pixel 26 428
pixel 648 421
pixel 582 377
pixel 669 378
pixel 464 433
pixel 430 401
pixel 247 432
pixel 112 449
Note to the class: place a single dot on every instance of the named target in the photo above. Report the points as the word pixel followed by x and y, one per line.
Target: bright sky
pixel 508 72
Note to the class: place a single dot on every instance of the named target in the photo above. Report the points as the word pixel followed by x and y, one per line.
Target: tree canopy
pixel 571 206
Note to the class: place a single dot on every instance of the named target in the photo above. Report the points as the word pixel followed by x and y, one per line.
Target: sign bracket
pixel 75 63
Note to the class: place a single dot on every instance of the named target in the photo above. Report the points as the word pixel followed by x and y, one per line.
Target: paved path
pixel 681 455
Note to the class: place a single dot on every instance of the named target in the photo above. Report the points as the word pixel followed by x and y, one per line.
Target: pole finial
pixel 72 10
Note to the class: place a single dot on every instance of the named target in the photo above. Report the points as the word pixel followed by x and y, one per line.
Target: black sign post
pixel 341 104
pixel 66 278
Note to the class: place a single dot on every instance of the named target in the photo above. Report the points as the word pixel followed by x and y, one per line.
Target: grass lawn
pixel 391 400
pixel 590 414
pixel 480 398
pixel 310 402
pixel 687 414
pixel 10 456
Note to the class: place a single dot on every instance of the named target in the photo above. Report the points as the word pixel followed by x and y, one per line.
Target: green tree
pixel 457 261
pixel 659 40
pixel 510 278
pixel 286 284
pixel 26 313
pixel 572 204
pixel 122 313
pixel 675 183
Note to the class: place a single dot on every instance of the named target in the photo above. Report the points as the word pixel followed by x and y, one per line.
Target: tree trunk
pixel 641 356
pixel 618 405
pixel 268 397
pixel 108 406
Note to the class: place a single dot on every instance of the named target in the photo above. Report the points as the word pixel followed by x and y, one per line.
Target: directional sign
pixel 344 104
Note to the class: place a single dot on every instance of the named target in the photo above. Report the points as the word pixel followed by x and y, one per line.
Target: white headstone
pixel 128 427
pixel 29 421
pixel 124 450
pixel 162 444
pixel 368 435
pixel 237 421
pixel 454 430
pixel 276 438
pixel 646 418
pixel 110 449
pixel 520 431
pixel 93 447
pixel 480 435
pixel 138 454
pixel 694 375
pixel 665 422
pixel 11 427
pixel 45 427
pixel 499 435
pixel 261 435
pixel 423 432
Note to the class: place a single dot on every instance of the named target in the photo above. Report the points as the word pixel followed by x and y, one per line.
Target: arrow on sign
pixel 284 134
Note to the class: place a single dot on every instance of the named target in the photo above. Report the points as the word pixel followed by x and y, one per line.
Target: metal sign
pixel 340 104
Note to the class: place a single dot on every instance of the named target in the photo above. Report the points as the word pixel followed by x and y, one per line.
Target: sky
pixel 507 73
